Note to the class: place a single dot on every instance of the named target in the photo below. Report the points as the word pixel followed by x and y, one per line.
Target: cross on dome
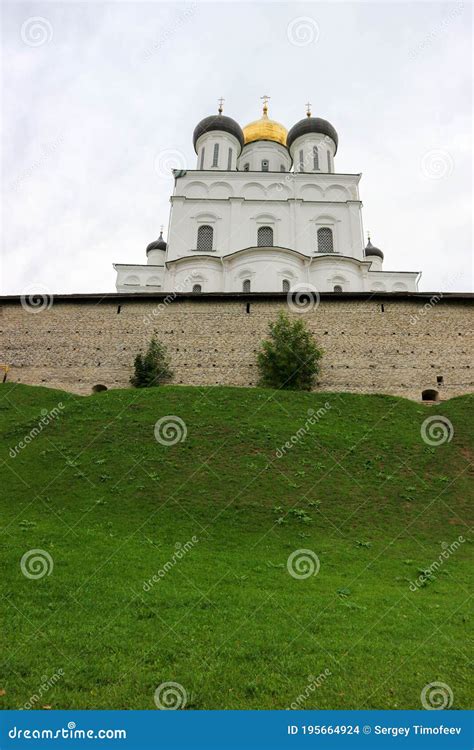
pixel 266 99
pixel 308 109
pixel 221 101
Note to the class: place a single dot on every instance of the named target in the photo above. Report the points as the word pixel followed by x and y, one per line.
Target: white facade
pixel 262 217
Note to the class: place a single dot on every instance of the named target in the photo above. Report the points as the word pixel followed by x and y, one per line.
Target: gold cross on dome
pixel 308 109
pixel 221 102
pixel 162 228
pixel 266 99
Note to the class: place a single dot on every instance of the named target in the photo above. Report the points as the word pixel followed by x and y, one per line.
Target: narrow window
pixel 246 167
pixel 229 160
pixel 315 158
pixel 338 288
pixel 282 168
pixel 265 237
pixel 325 242
pixel 215 155
pixel 329 161
pixel 201 166
pixel 197 289
pixel 265 165
pixel 301 161
pixel 285 285
pixel 205 238
pixel 246 285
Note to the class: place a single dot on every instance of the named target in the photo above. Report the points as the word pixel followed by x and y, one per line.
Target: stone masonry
pixel 373 342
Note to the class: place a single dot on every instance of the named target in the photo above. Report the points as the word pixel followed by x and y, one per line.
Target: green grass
pixel 228 622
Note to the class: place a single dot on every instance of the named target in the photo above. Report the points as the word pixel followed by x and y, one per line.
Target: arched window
pixel 229 160
pixel 201 166
pixel 204 238
pixel 285 285
pixel 246 285
pixel 282 168
pixel 325 242
pixel 197 289
pixel 215 155
pixel 246 167
pixel 265 237
pixel 265 165
pixel 338 288
pixel 329 161
pixel 315 158
pixel 301 161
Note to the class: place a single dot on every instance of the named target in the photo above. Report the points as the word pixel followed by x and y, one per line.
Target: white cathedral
pixel 264 211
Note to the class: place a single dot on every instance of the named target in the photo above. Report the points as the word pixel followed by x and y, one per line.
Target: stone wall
pixel 373 343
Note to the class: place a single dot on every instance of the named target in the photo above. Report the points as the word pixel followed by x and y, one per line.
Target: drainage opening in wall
pixel 98 388
pixel 430 395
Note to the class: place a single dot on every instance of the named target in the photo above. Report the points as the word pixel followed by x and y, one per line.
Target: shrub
pixel 152 368
pixel 289 358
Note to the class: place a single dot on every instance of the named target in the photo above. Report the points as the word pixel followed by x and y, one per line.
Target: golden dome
pixel 265 130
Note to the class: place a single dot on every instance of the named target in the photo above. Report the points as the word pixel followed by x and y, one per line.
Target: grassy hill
pixel 215 518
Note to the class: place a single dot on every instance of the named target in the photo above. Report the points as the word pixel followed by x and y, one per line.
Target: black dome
pixel 218 122
pixel 371 250
pixel 158 244
pixel 312 125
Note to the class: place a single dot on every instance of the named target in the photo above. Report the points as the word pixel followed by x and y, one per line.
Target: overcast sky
pixel 99 101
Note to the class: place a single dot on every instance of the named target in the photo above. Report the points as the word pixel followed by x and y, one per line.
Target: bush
pixel 153 368
pixel 289 358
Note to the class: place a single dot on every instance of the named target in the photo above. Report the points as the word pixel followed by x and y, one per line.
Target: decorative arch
pixel 337 193
pixel 253 191
pixel 196 189
pixel 221 190
pixel 311 193
pixel 131 281
pixel 399 287
pixel 153 281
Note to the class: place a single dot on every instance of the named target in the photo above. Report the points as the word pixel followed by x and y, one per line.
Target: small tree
pixel 289 358
pixel 152 368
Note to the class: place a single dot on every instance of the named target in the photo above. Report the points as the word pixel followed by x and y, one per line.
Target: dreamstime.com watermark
pixel 313 684
pixel 303 563
pixel 169 32
pixel 67 733
pixel 436 696
pixel 414 319
pixel 436 430
pixel 181 550
pixel 46 684
pixel 313 418
pixel 170 696
pixel 170 430
pixel 46 418
pixel 170 297
pixel 36 563
pixel 436 32
pixel 428 574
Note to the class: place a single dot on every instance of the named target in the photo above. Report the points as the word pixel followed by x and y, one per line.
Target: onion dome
pixel 265 129
pixel 158 244
pixel 218 122
pixel 371 250
pixel 312 125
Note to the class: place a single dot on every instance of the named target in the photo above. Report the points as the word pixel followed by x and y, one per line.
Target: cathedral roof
pixel 265 129
pixel 158 244
pixel 312 125
pixel 372 250
pixel 218 122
